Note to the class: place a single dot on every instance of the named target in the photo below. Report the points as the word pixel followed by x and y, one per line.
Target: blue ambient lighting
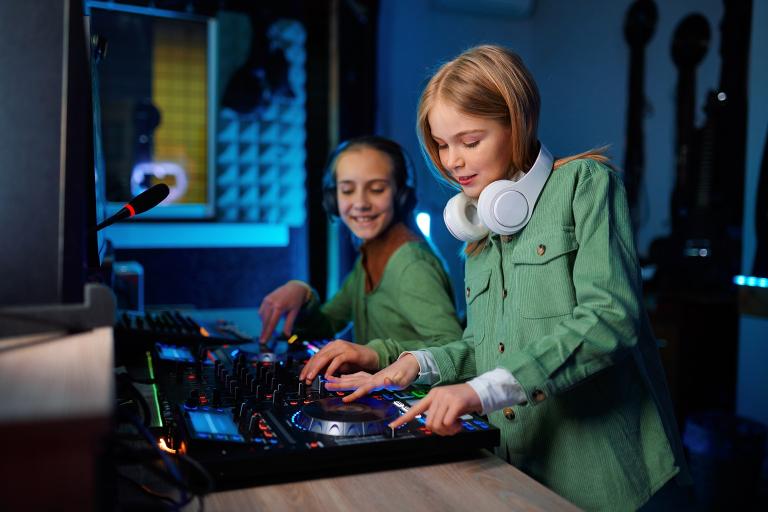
pixel 423 220
pixel 757 282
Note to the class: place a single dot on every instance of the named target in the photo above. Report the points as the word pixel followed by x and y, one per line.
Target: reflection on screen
pixel 155 90
pixel 174 353
pixel 213 423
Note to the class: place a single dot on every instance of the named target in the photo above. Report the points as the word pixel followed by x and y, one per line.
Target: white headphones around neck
pixel 504 206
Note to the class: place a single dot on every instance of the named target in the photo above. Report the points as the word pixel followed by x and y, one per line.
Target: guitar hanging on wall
pixel 704 249
pixel 639 26
pixel 690 44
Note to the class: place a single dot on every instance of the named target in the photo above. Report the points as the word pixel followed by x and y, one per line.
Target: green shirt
pixel 559 306
pixel 411 308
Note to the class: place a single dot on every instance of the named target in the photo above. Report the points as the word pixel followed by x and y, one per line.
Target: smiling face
pixel 365 190
pixel 474 151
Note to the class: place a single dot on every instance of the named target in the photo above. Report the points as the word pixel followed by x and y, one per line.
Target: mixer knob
pixel 280 388
pixel 258 392
pixel 216 399
pixel 302 390
pixel 237 394
pixel 273 383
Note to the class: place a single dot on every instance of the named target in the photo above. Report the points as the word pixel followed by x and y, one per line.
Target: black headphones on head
pixel 402 172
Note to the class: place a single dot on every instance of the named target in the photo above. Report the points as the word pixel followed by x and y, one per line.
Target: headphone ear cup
pixel 503 208
pixel 461 219
pixel 330 202
pixel 405 202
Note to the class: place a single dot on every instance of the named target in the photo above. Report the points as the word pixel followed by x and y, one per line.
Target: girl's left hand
pixel 443 406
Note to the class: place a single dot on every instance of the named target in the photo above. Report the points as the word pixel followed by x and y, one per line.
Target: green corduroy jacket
pixel 559 305
pixel 411 308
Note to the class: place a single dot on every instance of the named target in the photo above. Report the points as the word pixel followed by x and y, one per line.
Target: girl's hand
pixel 286 300
pixel 398 375
pixel 340 355
pixel 443 406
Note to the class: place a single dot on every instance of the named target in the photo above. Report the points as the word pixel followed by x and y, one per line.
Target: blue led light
pixel 423 220
pixel 295 422
pixel 756 282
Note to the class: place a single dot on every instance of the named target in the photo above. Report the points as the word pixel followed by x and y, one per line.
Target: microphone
pixel 148 199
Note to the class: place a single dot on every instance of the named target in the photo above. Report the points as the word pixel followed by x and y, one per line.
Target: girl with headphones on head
pixel 558 351
pixel 398 295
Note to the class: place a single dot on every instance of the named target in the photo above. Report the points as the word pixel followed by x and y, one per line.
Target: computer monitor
pixel 157 90
pixel 50 197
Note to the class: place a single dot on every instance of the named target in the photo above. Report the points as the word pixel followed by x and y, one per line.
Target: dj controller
pixel 243 414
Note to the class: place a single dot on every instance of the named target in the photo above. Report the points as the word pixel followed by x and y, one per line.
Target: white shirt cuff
pixel 497 389
pixel 428 370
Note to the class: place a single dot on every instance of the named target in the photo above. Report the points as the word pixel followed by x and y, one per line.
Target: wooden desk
pixel 484 483
pixel 54 412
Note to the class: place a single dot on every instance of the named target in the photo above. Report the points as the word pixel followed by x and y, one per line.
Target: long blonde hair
pixel 490 82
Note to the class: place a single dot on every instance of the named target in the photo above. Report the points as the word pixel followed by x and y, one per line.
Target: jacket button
pixel 501 348
pixel 509 413
pixel 504 294
pixel 541 249
pixel 538 395
pixel 467 291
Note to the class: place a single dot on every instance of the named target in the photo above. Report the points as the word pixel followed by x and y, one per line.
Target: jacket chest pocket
pixel 476 293
pixel 544 274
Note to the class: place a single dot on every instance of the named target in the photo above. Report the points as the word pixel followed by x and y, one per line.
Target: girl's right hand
pixel 342 356
pixel 286 300
pixel 398 375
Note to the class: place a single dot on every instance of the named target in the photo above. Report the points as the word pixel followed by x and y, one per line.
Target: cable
pixel 149 491
pixel 125 384
pixel 167 462
pixel 173 474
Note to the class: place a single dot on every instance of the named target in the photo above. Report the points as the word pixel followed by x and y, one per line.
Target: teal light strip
pixel 334 271
pixel 169 235
pixel 757 282
pixel 154 387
